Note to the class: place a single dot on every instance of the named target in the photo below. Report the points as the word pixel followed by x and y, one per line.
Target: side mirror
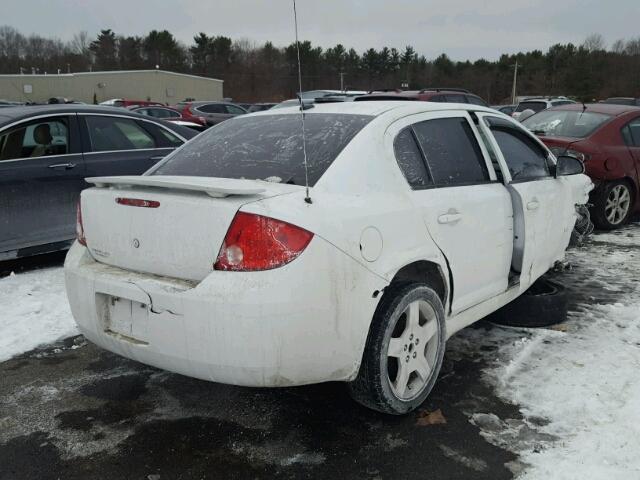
pixel 567 165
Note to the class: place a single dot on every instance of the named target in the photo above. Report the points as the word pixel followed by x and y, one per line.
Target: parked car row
pixel 46 152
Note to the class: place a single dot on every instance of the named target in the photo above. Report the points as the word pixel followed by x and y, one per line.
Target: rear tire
pixel 545 303
pixel 612 204
pixel 404 350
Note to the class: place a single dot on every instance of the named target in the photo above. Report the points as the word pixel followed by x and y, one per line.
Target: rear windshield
pixel 564 123
pixel 535 106
pixel 266 147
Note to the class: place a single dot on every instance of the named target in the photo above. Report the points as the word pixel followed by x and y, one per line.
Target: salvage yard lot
pixel 551 403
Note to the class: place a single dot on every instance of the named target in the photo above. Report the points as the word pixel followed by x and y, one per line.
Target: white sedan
pixel 422 218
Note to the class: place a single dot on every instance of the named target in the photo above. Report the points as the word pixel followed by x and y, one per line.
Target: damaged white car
pixel 422 219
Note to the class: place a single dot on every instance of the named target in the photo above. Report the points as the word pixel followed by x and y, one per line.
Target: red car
pixel 444 95
pixel 208 113
pixel 607 139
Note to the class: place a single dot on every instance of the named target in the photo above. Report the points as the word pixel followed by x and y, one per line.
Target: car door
pixel 41 176
pixel 120 145
pixel 542 203
pixel 466 210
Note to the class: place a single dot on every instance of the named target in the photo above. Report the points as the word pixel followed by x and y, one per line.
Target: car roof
pixel 417 93
pixel 606 108
pixel 378 108
pixel 11 114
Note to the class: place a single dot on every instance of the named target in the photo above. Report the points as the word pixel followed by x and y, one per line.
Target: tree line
pixel 266 72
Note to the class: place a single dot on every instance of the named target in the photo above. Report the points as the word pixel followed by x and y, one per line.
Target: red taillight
pixel 137 202
pixel 79 227
pixel 254 242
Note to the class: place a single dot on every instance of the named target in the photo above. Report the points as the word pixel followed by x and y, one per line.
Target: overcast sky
pixel 463 29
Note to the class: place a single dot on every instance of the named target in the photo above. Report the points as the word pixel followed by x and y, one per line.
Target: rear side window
pixel 565 123
pixel 212 108
pixel 455 98
pixel 116 133
pixel 266 147
pixel 162 113
pixel 535 106
pixel 40 138
pixel 525 159
pixel 410 159
pixel 452 152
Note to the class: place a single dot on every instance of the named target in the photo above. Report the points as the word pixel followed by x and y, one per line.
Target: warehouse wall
pixel 157 85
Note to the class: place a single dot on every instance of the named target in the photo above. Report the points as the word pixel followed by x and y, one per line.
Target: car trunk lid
pixel 165 225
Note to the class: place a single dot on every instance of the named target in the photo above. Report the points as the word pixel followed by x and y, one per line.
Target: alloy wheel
pixel 617 205
pixel 412 350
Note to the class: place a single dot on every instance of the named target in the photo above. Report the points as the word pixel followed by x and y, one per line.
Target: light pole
pixel 515 82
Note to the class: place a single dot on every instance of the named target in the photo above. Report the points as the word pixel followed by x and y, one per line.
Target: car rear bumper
pixel 306 322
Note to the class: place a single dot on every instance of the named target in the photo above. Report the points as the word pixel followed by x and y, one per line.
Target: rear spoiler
pixel 214 187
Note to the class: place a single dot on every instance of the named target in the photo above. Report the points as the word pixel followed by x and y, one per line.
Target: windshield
pixel 266 147
pixel 535 106
pixel 565 123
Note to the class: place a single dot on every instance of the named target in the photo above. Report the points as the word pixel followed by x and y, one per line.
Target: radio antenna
pixel 307 198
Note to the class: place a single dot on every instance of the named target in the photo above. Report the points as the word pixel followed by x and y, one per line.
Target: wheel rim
pixel 618 203
pixel 412 350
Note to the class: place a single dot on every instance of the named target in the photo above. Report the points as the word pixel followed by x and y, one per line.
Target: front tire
pixel 404 350
pixel 612 205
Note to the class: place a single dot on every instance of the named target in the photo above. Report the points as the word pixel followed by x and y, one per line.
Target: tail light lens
pixel 254 242
pixel 79 227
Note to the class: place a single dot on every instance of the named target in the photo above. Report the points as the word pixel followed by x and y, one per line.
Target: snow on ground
pixel 33 311
pixel 579 389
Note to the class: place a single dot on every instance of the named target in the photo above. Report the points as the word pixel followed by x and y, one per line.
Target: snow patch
pixel 579 390
pixel 33 311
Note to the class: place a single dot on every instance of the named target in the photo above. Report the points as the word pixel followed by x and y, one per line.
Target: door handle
pixel 533 205
pixel 66 166
pixel 452 217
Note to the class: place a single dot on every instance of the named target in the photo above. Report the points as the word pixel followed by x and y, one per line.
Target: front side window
pixel 41 138
pixel 266 147
pixel 235 110
pixel 524 157
pixel 163 138
pixel 410 159
pixel 631 133
pixel 558 103
pixel 451 151
pixel 116 133
pixel 476 100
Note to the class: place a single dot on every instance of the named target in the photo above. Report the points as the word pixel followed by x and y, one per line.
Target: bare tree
pixel 594 43
pixel 618 46
pixel 80 44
